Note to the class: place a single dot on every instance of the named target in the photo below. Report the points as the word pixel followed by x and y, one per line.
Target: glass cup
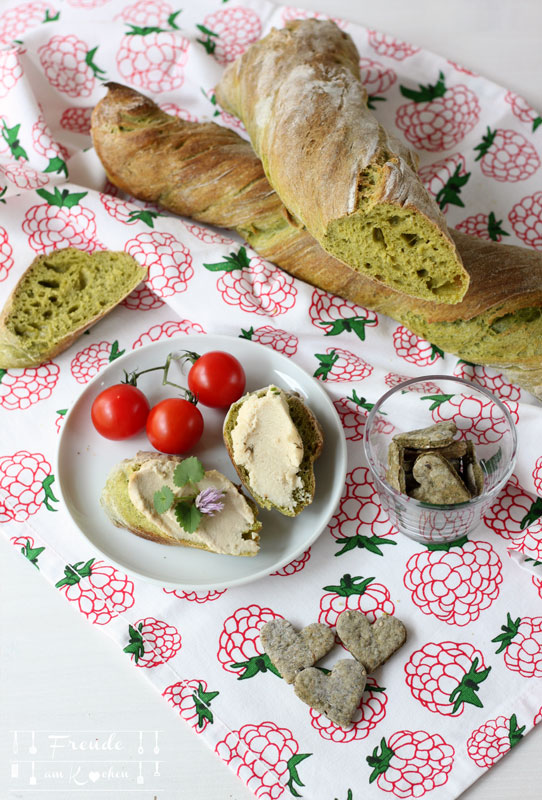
pixel 478 415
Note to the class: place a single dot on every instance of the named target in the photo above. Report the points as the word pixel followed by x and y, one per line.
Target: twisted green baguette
pixel 351 183
pixel 207 172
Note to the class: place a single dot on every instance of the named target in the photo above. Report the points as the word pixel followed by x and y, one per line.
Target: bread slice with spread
pixel 128 500
pixel 273 439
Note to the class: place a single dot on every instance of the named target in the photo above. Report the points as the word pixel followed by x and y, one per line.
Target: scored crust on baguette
pixel 311 434
pixel 58 297
pixel 115 501
pixel 211 174
pixel 354 185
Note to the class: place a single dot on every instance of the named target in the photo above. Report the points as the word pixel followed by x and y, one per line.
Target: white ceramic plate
pixel 85 459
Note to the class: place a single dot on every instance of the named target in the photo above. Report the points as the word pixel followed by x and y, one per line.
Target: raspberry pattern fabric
pixel 466 687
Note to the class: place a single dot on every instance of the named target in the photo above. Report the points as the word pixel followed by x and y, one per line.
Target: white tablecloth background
pixel 39 695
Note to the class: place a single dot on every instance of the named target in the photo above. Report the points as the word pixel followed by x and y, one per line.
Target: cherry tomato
pixel 217 379
pixel 120 411
pixel 174 425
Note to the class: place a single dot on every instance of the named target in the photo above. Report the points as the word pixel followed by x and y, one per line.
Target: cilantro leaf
pixel 188 516
pixel 163 499
pixel 189 470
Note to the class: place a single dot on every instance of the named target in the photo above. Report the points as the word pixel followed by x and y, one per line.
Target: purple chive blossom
pixel 209 501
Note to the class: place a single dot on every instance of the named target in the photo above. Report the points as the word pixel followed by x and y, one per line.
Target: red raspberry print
pixel 88 3
pixel 23 176
pixel 88 362
pixel 377 79
pixel 181 113
pixel 360 520
pixel 438 117
pixel 100 591
pixel 61 416
pixel 411 763
pixel 507 156
pixel 11 69
pixel 521 642
pixel 239 646
pixel 493 739
pixel 488 378
pixel 523 111
pixel 357 594
pixel 196 597
pixel 526 220
pixel 513 511
pixel 28 548
pixel 425 387
pixel 10 141
pixel 484 226
pixel 462 69
pixel 386 45
pixel 76 120
pixel 445 180
pixel 60 221
pixel 192 699
pixel 475 418
pixel 290 13
pixel 25 485
pixel 17 21
pixel 254 285
pixel 537 583
pixel 146 13
pixel 371 711
pixel 353 412
pixel 456 581
pixel 538 717
pixel 69 66
pixel 21 388
pixel 341 365
pixel 294 566
pixel 6 255
pixel 166 330
pixel 263 756
pixel 446 676
pixel 127 212
pixel 142 299
pixel 334 315
pixel 207 235
pixel 279 340
pixel 413 349
pixel 153 58
pixel 152 642
pixel 228 32
pixel 44 146
pixel 537 475
pixel 168 261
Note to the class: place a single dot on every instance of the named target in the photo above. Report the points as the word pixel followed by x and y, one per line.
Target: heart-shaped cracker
pixel 291 651
pixel 370 644
pixel 336 695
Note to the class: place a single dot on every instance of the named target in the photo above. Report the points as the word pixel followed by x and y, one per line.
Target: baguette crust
pixel 142 150
pixel 111 507
pixel 299 93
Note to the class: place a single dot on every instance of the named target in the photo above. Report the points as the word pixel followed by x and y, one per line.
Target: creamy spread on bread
pixel 225 532
pixel 267 444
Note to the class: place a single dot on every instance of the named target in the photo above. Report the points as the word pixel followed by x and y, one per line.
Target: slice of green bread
pixel 312 439
pixel 59 296
pixel 116 502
